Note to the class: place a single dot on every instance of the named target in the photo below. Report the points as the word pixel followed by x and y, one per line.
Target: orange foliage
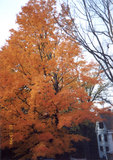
pixel 42 91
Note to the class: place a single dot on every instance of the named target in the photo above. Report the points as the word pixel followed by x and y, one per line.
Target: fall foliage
pixel 44 82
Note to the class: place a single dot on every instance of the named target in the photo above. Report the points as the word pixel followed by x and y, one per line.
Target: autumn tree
pixel 43 86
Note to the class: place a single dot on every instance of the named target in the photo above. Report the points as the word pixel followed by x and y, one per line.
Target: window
pixel 105 138
pixel 107 148
pixel 101 148
pixel 101 125
pixel 100 138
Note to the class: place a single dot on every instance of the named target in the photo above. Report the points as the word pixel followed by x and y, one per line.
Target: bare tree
pixel 90 22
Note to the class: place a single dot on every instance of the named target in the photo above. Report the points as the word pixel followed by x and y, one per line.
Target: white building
pixel 104 131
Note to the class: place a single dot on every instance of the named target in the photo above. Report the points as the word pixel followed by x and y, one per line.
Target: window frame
pixel 101 125
pixel 101 148
pixel 100 137
pixel 107 149
pixel 105 138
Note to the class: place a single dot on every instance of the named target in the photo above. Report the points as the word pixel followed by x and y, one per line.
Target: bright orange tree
pixel 42 78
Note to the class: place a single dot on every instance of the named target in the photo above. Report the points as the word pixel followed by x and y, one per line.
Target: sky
pixel 8 11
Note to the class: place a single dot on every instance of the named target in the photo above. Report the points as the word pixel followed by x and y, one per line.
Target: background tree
pixel 99 92
pixel 88 149
pixel 42 75
pixel 90 23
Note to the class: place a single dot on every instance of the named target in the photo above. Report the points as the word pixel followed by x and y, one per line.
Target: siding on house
pixel 104 131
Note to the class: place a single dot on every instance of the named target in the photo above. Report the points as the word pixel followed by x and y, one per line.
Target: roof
pixel 108 120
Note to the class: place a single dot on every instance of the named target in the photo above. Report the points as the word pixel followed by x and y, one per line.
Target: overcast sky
pixel 8 11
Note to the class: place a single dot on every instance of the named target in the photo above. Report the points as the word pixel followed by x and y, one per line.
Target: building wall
pixel 110 139
pixel 104 139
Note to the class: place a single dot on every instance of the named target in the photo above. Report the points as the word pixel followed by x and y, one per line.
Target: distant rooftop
pixel 108 120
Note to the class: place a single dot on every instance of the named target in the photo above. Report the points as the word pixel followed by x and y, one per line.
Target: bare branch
pixel 92 26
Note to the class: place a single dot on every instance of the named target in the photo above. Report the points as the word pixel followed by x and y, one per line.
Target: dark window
pixel 101 148
pixel 101 125
pixel 100 139
pixel 105 137
pixel 107 148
